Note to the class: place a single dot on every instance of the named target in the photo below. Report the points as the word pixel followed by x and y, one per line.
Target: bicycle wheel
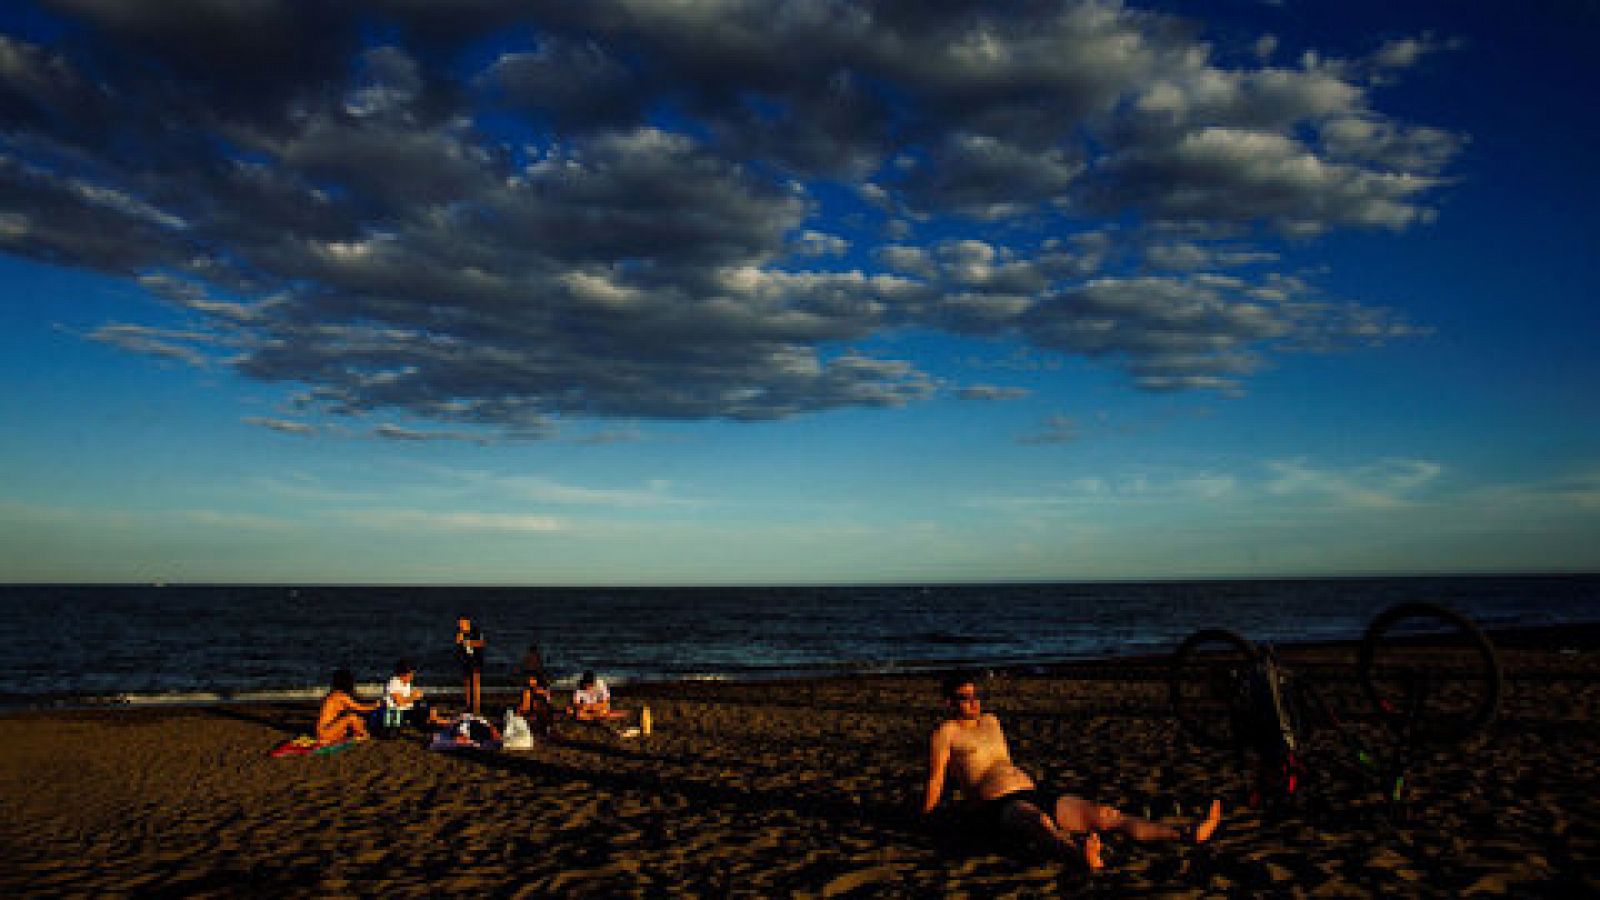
pixel 1431 674
pixel 1209 685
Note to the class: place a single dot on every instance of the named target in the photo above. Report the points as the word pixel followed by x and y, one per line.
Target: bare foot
pixel 1091 852
pixel 1207 828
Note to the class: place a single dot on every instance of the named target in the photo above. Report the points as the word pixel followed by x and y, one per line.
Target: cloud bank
pixel 496 216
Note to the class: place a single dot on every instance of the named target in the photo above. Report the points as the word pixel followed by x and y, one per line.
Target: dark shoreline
pixel 1560 645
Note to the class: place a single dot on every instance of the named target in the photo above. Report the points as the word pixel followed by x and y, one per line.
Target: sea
pixel 93 645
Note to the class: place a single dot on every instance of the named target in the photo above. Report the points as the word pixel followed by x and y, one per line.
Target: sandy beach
pixel 804 789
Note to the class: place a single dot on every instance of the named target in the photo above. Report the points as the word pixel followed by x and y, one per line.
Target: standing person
pixel 341 717
pixel 972 743
pixel 469 651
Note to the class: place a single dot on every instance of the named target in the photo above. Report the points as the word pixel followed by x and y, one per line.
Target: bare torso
pixel 981 761
pixel 335 705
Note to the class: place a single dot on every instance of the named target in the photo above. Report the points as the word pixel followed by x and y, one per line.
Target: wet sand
pixel 804 789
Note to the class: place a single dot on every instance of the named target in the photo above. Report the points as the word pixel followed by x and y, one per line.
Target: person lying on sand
pixel 591 702
pixel 972 743
pixel 342 716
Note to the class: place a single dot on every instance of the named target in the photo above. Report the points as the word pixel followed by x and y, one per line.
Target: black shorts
pixel 993 811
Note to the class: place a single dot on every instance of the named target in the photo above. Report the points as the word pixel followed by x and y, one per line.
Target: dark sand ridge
pixel 801 788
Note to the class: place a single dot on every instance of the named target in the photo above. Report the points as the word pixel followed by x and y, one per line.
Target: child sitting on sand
pixel 341 717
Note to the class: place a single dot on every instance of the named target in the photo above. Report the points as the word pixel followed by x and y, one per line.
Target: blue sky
pixel 742 292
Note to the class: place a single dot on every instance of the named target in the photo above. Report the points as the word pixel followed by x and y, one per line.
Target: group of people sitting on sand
pixel 343 717
pixel 968 745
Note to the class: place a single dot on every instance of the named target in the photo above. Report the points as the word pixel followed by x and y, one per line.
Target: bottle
pixel 644 721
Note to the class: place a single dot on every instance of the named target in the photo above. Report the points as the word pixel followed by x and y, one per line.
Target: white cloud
pixel 1386 484
pixel 819 243
pixel 284 426
pixel 392 432
pixel 1128 491
pixel 1402 53
pixel 992 392
pixel 427 521
pixel 166 343
pixel 360 223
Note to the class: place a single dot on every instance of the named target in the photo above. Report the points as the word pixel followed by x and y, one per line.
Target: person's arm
pixel 938 760
pixel 345 703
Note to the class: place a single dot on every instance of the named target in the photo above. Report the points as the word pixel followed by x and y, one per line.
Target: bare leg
pixel 1077 814
pixel 1033 821
pixel 1208 826
pixel 347 727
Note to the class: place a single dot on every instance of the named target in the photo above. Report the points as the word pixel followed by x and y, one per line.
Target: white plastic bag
pixel 516 735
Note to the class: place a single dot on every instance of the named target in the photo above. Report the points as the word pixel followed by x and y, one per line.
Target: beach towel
pixel 448 740
pixel 305 745
pixel 469 732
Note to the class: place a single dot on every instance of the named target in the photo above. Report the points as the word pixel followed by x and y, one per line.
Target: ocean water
pixel 163 644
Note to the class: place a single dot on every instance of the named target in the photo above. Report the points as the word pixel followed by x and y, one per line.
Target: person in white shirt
pixel 591 702
pixel 401 694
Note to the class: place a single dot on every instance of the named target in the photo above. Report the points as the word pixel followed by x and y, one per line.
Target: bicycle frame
pixel 1309 711
pixel 1417 661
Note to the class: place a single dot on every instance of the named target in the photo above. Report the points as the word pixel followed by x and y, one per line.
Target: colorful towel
pixel 306 745
pixel 451 740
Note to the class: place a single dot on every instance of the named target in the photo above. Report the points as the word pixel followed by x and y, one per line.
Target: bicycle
pixel 1429 676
